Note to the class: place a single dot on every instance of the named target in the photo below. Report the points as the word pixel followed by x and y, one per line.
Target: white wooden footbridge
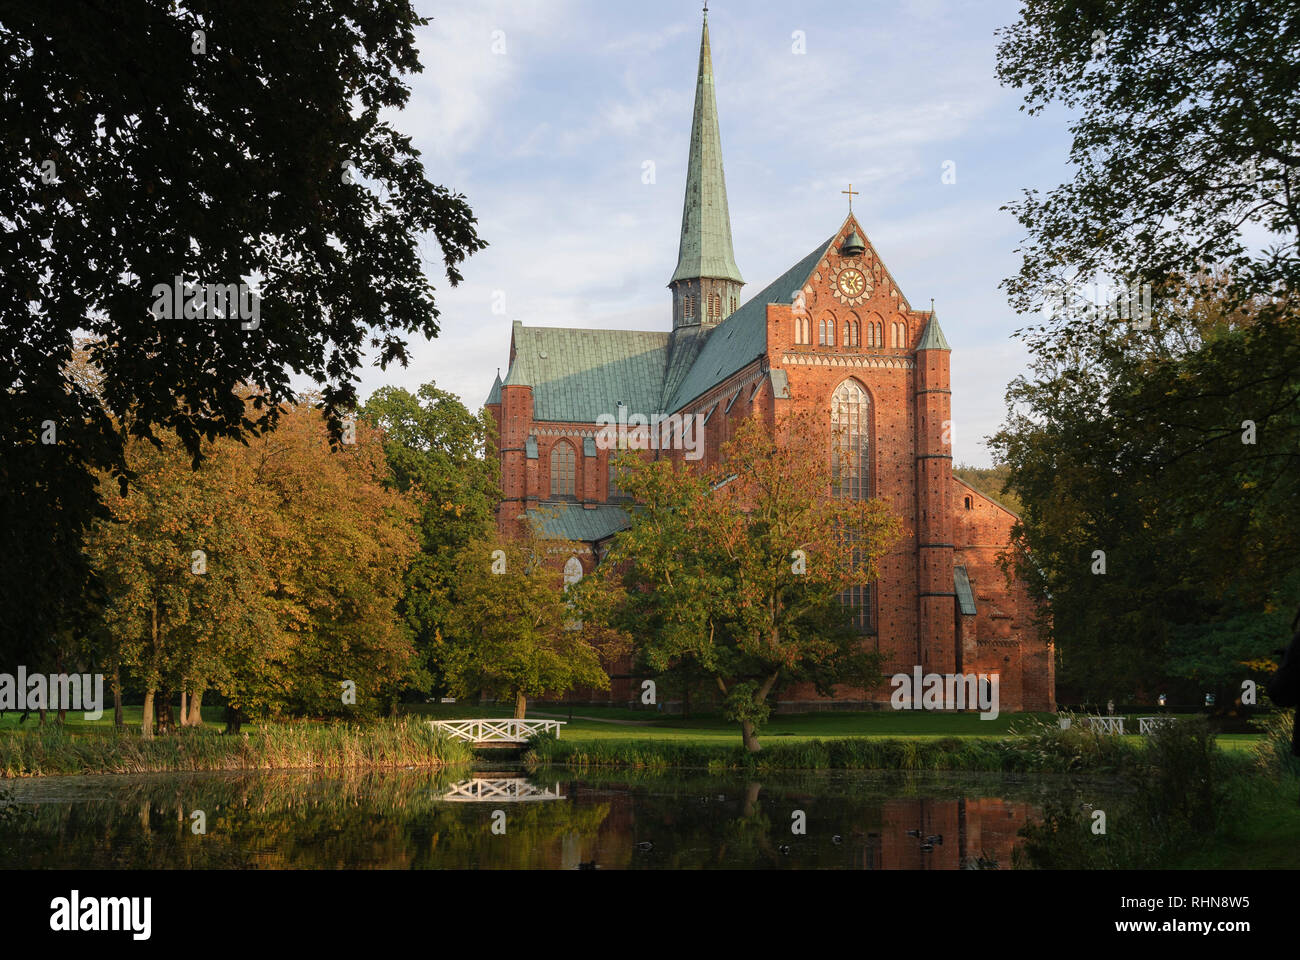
pixel 496 733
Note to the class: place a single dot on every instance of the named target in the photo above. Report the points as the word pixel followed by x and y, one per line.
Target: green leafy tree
pixel 514 632
pixel 252 142
pixel 737 570
pixel 1167 439
pixel 437 448
pixel 1156 525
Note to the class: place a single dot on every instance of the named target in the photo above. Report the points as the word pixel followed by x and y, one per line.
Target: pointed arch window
pixel 564 461
pixel 821 333
pixel 851 479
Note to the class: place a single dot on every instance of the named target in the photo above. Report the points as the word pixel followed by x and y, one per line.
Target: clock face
pixel 851 282
pixel 852 285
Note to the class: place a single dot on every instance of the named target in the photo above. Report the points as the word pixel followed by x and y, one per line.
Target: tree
pixel 514 633
pixel 1156 524
pixel 338 574
pixel 436 447
pixel 1167 437
pixel 738 570
pixel 1185 129
pixel 225 144
pixel 269 574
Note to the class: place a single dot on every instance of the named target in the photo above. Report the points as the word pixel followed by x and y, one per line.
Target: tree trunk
pixel 748 731
pixel 185 706
pixel 166 721
pixel 58 668
pixel 146 718
pixel 118 720
pixel 196 708
pixel 521 706
pixel 233 719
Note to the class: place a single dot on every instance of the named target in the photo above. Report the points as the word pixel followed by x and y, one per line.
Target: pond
pixel 507 817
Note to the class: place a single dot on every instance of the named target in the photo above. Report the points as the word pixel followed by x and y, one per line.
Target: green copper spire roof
pixel 932 337
pixel 705 249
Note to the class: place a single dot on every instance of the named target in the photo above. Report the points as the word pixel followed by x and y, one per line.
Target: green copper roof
pixel 577 374
pixel 965 597
pixel 932 337
pixel 705 249
pixel 494 395
pixel 566 521
pixel 685 346
pixel 742 337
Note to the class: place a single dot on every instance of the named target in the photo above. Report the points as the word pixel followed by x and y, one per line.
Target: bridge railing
pixel 1113 725
pixel 497 731
pixel 1148 725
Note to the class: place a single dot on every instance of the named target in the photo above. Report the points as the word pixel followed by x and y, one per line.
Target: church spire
pixel 706 284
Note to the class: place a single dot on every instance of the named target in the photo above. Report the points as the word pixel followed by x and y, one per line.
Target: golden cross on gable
pixel 852 193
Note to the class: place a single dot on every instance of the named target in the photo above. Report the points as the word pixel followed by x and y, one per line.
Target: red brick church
pixel 833 333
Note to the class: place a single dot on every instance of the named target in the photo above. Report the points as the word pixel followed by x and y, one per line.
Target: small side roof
pixel 965 596
pixel 566 521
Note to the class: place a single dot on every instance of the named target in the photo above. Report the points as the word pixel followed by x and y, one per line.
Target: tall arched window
pixel 880 334
pixel 851 478
pixel 821 333
pixel 850 432
pixel 563 470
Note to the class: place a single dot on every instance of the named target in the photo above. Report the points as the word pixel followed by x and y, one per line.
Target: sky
pixel 551 115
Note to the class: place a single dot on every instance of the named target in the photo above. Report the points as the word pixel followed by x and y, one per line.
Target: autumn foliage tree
pixel 269 574
pixel 737 570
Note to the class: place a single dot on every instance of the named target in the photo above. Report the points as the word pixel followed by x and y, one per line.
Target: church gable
pixel 850 299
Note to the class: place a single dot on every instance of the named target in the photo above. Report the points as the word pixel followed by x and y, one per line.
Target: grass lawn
pixel 586 725
pixel 74 722
pixel 785 727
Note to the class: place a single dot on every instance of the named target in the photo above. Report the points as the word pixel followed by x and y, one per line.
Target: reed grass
pixel 302 745
pixel 1043 748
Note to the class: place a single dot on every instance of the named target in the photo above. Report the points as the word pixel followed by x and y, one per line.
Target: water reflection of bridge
pixel 500 790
